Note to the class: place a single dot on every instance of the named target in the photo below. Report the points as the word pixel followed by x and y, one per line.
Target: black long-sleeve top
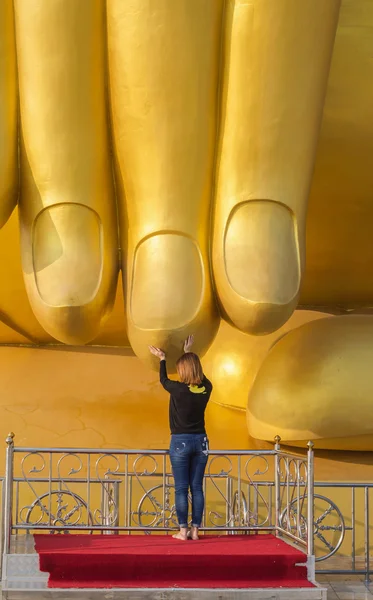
pixel 187 403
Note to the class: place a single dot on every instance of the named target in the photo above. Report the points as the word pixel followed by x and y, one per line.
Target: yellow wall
pixel 107 398
pixel 98 398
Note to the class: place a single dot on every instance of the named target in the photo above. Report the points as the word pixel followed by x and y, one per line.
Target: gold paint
pixel 154 257
pixel 8 113
pixel 15 310
pixel 163 63
pixel 114 330
pixel 274 75
pixel 234 359
pixel 8 332
pixel 166 82
pixel 14 303
pixel 93 407
pixel 67 238
pixel 340 216
pixel 316 383
pixel 273 278
pixel 65 166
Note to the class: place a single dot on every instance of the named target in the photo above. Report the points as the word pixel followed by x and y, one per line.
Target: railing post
pixel 277 483
pixel 116 502
pixel 366 534
pixel 310 505
pixel 230 505
pixel 109 499
pixel 8 494
pixel 2 523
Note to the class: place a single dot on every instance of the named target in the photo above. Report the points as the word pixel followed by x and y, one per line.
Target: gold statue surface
pixel 179 142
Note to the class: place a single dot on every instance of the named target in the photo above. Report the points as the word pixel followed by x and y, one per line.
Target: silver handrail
pixel 63 491
pixel 358 563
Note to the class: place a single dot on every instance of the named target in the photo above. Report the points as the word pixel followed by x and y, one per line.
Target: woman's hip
pixel 189 444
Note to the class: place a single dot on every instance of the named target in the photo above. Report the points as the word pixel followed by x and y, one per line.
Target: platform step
pixel 159 568
pixel 81 561
pixel 170 594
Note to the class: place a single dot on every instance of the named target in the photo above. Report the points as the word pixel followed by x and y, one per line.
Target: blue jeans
pixel 189 456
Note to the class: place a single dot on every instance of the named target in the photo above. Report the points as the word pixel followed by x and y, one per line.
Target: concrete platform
pixel 169 594
pixel 23 580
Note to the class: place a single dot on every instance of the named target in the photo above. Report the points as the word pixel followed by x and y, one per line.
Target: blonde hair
pixel 189 369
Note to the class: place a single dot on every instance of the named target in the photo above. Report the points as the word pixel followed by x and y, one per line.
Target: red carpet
pixel 84 561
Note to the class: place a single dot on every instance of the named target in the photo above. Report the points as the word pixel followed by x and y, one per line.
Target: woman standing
pixel 189 443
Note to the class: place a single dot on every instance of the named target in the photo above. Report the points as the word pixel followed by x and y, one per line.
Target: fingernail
pixel 67 255
pixel 167 284
pixel 262 258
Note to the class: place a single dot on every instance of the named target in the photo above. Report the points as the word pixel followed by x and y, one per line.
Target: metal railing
pixel 110 491
pixel 341 527
pixel 2 490
pixel 353 517
pixel 246 491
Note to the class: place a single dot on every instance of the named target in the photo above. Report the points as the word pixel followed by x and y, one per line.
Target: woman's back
pixel 187 403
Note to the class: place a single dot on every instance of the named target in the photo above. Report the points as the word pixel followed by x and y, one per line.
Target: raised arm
pixel 167 383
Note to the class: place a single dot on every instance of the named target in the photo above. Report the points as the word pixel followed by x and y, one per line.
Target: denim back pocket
pixel 179 446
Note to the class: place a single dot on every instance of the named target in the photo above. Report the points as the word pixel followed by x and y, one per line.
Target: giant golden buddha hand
pixel 176 140
pixel 147 118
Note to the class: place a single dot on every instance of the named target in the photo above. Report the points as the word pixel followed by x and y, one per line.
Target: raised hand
pixel 188 343
pixel 157 352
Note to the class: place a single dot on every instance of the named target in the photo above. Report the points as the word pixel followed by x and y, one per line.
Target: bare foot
pixel 194 533
pixel 182 535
